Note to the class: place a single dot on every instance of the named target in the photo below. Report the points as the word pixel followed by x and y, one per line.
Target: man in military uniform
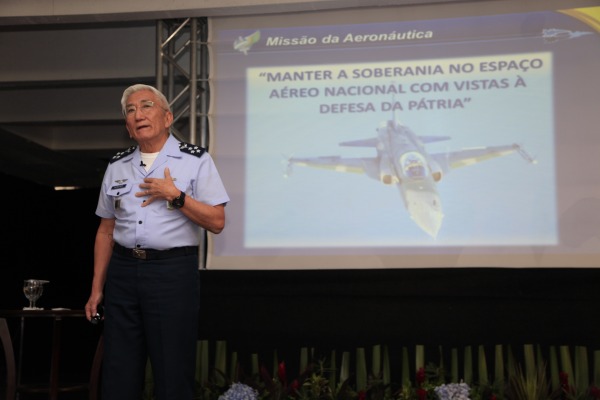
pixel 154 198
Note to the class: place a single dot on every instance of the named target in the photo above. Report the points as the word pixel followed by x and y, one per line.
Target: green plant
pixel 371 377
pixel 522 386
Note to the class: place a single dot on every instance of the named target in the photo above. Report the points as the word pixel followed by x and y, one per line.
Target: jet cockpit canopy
pixel 413 165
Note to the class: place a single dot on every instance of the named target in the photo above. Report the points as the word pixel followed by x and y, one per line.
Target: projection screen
pixel 454 135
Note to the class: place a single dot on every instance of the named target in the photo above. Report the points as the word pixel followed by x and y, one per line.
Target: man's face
pixel 145 118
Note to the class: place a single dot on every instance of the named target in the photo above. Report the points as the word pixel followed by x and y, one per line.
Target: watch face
pixel 178 201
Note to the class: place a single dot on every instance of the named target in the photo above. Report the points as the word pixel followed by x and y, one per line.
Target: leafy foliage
pixel 320 379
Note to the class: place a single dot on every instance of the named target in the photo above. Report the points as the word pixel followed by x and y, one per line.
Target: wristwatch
pixel 179 200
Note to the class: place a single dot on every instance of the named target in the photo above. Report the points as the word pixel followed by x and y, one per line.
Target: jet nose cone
pixel 426 210
pixel 430 222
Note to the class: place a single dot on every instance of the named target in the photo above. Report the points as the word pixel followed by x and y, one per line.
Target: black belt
pixel 153 254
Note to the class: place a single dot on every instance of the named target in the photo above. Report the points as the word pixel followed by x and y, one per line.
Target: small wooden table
pixel 53 387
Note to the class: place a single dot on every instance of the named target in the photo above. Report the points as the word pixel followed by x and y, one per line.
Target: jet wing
pixel 470 156
pixel 362 165
pixel 374 142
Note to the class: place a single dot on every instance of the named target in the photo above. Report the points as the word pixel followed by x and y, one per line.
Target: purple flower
pixel 239 391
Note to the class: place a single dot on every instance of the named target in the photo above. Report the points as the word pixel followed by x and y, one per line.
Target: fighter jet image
pixel 402 160
pixel 244 44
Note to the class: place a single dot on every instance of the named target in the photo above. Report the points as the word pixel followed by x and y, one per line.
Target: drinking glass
pixel 33 289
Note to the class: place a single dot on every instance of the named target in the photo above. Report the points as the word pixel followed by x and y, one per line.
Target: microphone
pixel 142 164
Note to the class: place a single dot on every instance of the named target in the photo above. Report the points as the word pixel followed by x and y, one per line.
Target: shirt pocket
pixel 116 193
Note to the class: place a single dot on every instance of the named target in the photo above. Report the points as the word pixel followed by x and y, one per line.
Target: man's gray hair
pixel 136 88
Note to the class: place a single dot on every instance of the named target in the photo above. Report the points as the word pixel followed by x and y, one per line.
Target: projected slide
pixel 429 143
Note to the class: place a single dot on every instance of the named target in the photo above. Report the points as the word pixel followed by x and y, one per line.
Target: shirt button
pixel 140 222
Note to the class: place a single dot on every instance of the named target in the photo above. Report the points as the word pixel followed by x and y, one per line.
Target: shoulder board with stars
pixel 122 154
pixel 191 149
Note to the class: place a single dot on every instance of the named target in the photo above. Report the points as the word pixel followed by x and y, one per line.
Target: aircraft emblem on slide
pixel 243 44
pixel 402 160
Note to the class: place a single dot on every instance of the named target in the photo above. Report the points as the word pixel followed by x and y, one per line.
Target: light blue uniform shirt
pixel 157 226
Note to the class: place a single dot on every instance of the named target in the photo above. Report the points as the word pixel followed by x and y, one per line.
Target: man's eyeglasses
pixel 145 107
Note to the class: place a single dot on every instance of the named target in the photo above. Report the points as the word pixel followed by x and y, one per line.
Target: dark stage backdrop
pixel 48 235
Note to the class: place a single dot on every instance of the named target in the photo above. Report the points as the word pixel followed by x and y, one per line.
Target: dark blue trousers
pixel 151 310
